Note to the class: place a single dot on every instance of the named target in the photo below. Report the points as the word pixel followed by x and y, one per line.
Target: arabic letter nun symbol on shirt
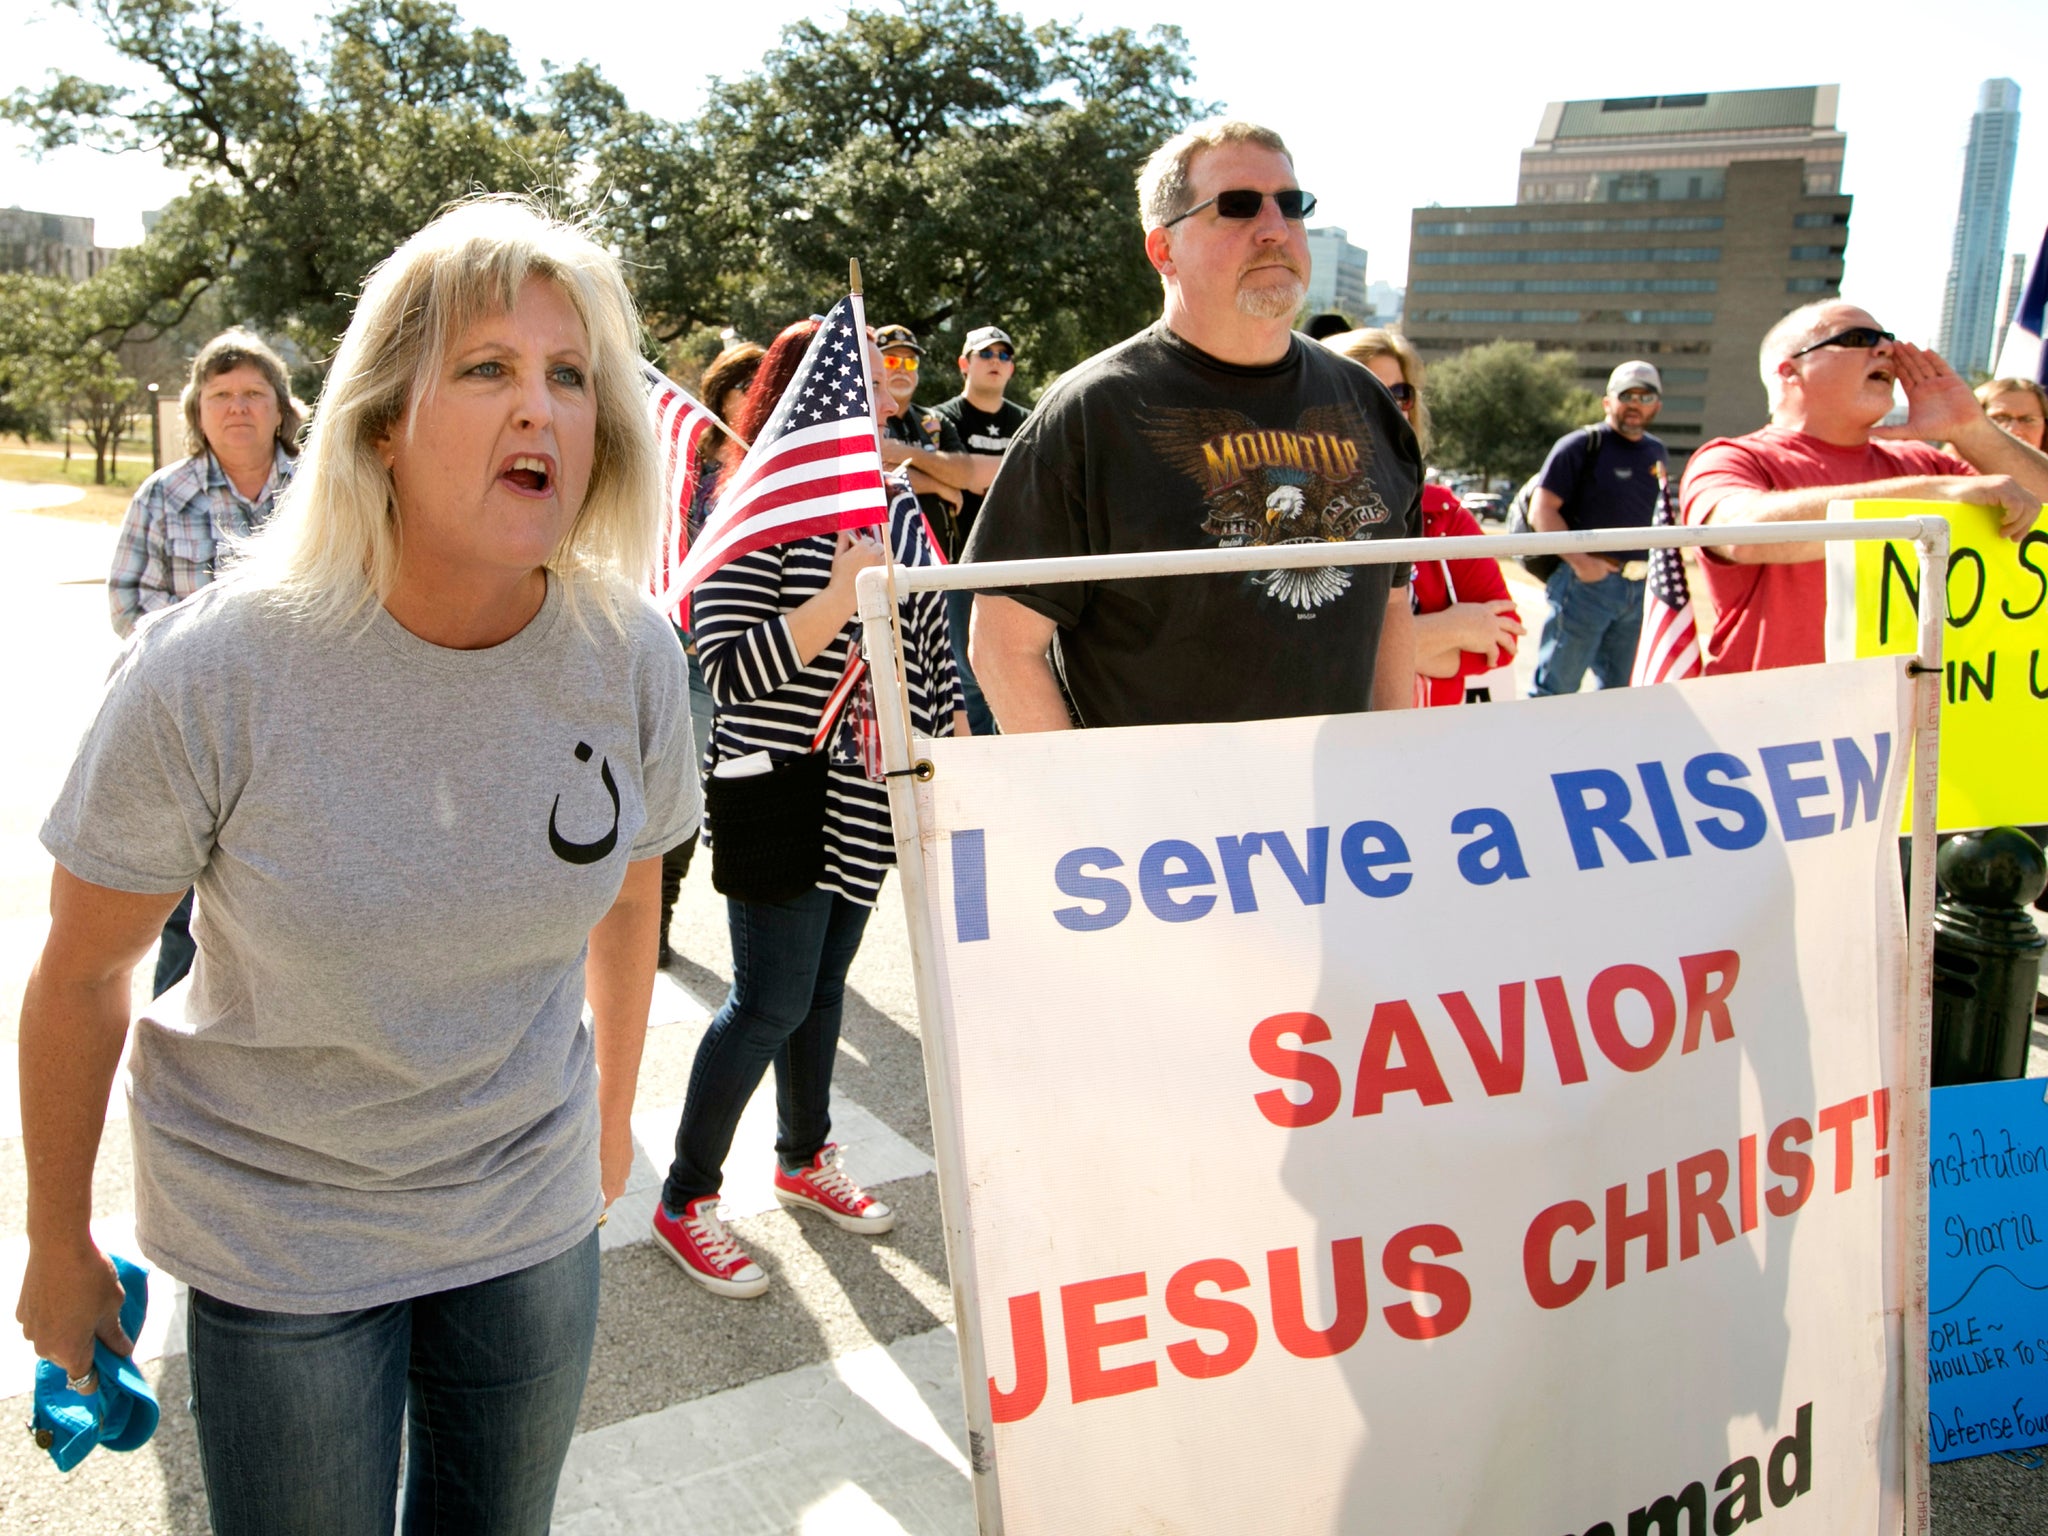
pixel 587 853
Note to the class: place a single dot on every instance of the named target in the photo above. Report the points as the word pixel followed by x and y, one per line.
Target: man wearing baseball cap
pixel 987 424
pixel 940 467
pixel 1609 475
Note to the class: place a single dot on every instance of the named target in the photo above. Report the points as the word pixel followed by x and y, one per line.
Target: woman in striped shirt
pixel 775 631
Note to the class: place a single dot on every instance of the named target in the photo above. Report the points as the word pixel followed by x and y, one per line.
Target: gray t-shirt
pixel 382 1085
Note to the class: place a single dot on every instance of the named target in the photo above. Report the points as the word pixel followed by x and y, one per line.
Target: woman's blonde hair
pixel 332 546
pixel 1363 346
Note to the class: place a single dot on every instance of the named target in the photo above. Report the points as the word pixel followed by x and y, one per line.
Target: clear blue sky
pixel 1387 108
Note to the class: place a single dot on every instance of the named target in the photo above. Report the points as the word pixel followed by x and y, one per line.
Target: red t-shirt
pixel 1776 615
pixel 1436 584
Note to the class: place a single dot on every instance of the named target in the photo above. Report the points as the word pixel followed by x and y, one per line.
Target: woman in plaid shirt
pixel 241 439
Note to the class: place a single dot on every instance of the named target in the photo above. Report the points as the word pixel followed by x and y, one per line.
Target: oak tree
pixel 1498 407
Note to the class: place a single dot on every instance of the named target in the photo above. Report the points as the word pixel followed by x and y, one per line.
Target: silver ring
pixel 82 1385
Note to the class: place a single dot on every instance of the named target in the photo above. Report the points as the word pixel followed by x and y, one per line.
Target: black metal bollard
pixel 1987 955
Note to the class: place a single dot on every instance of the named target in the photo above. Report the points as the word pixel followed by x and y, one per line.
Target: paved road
pixel 830 1406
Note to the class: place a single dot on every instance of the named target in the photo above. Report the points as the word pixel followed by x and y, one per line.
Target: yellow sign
pixel 1994 718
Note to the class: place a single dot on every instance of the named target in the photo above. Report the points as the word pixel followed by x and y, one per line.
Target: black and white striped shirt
pixel 765 699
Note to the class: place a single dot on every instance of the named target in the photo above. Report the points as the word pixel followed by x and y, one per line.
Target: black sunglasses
pixel 1242 203
pixel 1855 336
pixel 1002 354
pixel 1403 392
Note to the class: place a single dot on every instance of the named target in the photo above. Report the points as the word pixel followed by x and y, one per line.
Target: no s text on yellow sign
pixel 1994 721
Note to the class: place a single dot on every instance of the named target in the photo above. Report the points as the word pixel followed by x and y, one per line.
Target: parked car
pixel 1486 506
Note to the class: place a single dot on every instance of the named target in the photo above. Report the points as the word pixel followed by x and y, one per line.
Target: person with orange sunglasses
pixel 941 468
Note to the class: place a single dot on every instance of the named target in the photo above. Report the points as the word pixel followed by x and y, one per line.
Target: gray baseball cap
pixel 1636 375
pixel 986 336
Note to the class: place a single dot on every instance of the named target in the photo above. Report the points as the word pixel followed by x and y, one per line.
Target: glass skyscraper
pixel 1969 307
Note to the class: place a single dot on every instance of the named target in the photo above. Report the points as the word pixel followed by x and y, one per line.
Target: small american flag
pixel 1669 650
pixel 813 468
pixel 681 422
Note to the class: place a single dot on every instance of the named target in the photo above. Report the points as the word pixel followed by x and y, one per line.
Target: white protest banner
pixel 1436 1122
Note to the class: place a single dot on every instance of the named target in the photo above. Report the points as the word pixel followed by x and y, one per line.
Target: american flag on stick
pixel 814 467
pixel 1669 650
pixel 681 424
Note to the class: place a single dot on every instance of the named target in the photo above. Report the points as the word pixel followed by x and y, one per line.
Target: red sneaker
pixel 822 1186
pixel 699 1242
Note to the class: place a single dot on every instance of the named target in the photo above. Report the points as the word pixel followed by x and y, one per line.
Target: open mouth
pixel 530 474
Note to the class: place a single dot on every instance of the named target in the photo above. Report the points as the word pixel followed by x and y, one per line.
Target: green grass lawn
pixel 102 503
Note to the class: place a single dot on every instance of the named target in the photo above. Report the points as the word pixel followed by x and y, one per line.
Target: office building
pixel 49 245
pixel 1336 275
pixel 1969 305
pixel 1671 228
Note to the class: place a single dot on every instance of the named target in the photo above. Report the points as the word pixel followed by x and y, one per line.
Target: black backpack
pixel 1541 566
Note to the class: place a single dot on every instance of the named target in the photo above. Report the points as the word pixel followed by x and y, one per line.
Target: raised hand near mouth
pixel 1942 408
pixel 1939 404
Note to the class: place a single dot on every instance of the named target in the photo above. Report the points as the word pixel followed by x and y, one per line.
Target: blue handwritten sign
pixel 1987 1270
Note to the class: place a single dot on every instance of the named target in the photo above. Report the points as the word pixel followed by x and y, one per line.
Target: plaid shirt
pixel 183 520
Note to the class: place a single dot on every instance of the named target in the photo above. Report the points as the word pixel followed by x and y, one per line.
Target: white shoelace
pixel 712 1239
pixel 832 1179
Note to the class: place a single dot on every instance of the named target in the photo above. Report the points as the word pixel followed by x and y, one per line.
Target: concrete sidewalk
pixel 19 496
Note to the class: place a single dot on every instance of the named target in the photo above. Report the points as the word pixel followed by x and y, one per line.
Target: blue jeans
pixel 299 1414
pixel 789 963
pixel 1591 623
pixel 979 718
pixel 174 948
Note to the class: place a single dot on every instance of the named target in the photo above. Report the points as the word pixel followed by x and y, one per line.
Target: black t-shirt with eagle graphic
pixel 1155 445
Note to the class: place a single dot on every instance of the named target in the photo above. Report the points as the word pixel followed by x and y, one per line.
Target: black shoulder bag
pixel 768 829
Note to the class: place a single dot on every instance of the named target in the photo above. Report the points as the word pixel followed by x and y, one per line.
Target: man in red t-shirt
pixel 1829 369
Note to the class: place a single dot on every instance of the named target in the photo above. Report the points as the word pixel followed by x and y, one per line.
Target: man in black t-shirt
pixel 1611 475
pixel 986 424
pixel 1216 427
pixel 985 420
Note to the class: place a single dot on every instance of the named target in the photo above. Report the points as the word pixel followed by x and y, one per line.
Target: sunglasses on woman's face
pixel 1403 393
pixel 897 364
pixel 1855 336
pixel 1243 203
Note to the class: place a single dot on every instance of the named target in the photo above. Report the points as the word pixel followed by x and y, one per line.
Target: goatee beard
pixel 1275 302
